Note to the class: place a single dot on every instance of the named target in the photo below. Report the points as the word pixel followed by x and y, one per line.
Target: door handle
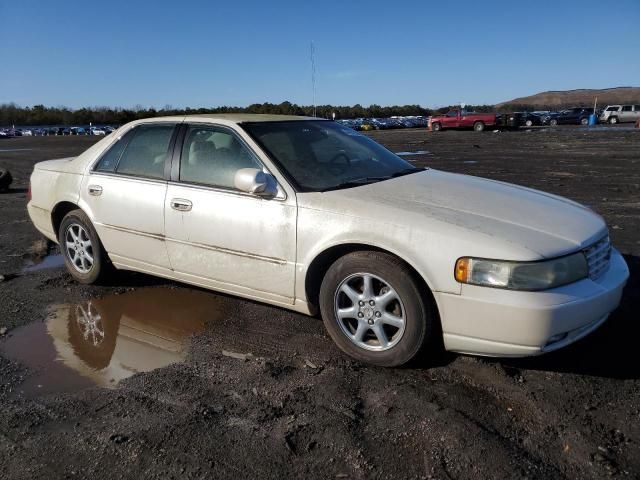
pixel 95 190
pixel 181 204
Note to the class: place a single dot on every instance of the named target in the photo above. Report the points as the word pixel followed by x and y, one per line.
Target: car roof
pixel 248 117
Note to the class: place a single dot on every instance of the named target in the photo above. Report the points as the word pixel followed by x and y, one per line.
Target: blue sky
pixel 210 53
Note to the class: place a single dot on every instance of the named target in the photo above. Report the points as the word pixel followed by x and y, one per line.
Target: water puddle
pixel 40 256
pixel 409 154
pixel 101 342
pixel 36 264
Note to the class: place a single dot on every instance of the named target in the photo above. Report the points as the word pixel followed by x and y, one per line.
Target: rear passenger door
pixel 124 196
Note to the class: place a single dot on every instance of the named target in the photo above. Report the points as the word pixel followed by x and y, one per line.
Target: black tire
pixel 5 179
pixel 528 123
pixel 613 120
pixel 553 122
pixel 436 127
pixel 584 121
pixel 101 266
pixel 478 126
pixel 421 324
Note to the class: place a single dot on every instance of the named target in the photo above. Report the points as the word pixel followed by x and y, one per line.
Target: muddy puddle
pixel 42 263
pixel 41 255
pixel 103 341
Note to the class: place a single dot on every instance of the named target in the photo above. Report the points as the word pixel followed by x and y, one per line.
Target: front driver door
pixel 451 119
pixel 220 237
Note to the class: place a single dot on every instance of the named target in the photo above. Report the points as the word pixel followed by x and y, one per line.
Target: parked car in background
pixel 366 124
pixel 570 116
pixel 97 131
pixel 462 119
pixel 620 114
pixel 531 119
pixel 309 215
pixel 27 132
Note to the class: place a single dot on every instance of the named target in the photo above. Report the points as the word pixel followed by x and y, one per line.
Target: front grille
pixel 598 256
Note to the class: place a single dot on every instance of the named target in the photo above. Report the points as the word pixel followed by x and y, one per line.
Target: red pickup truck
pixel 477 121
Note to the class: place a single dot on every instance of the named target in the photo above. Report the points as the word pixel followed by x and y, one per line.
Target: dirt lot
pixel 297 407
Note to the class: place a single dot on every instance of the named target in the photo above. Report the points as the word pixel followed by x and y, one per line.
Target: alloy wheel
pixel 78 248
pixel 369 312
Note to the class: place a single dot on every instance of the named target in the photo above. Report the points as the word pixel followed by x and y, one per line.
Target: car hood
pixel 544 224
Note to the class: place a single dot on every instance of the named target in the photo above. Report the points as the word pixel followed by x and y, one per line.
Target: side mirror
pixel 253 180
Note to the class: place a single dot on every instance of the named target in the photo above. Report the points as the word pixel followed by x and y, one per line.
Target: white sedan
pixel 312 216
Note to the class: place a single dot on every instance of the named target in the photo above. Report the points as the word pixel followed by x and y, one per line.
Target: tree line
pixel 12 114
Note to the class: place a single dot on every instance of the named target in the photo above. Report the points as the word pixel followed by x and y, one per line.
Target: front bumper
pixel 508 323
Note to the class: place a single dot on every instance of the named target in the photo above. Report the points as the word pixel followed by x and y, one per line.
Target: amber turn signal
pixel 462 269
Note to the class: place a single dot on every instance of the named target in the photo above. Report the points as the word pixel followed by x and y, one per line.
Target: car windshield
pixel 320 155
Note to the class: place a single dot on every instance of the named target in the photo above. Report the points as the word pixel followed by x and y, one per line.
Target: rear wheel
pixel 83 253
pixel 374 309
pixel 553 122
pixel 613 120
pixel 584 121
pixel 478 126
pixel 436 127
pixel 528 123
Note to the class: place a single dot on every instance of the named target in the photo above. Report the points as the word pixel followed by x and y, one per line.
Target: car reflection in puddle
pixel 103 341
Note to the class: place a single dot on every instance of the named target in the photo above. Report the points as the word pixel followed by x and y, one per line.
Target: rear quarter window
pixel 145 154
pixel 110 158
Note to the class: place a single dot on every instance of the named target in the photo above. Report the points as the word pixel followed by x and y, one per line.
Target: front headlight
pixel 540 275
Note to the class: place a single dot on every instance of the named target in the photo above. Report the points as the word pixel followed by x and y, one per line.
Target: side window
pixel 212 156
pixel 626 108
pixel 109 160
pixel 146 152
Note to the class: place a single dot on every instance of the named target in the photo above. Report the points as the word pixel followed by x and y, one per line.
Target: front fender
pixel 319 231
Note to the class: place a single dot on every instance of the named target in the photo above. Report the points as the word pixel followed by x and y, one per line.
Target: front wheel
pixel 584 121
pixel 84 255
pixel 613 120
pixel 374 309
pixel 436 127
pixel 528 123
pixel 553 122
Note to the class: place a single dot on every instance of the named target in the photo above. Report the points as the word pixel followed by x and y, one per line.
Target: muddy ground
pixel 296 407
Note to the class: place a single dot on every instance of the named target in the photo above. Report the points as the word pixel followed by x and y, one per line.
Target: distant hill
pixel 578 98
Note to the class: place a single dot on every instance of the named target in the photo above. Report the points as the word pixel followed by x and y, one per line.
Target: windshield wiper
pixel 357 182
